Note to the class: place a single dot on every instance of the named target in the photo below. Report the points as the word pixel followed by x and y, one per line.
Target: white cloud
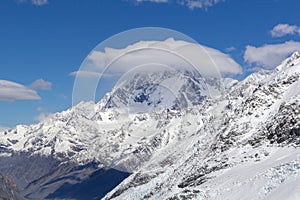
pixel 39 109
pixel 10 91
pixel 172 53
pixel 230 49
pixel 269 56
pixel 39 2
pixel 41 84
pixel 191 4
pixel 285 29
pixel 64 97
pixel 35 2
pixel 90 74
pixel 155 1
pixel 85 74
pixel 42 116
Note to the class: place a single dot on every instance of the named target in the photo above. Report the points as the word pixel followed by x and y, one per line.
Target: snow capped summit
pixel 295 55
pixel 291 61
pixel 157 90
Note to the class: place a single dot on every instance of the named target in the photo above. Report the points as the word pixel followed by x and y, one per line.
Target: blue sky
pixel 43 41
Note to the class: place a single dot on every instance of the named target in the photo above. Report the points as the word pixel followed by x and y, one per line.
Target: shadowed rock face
pixel 96 186
pixel 8 190
pixel 40 177
pixel 71 181
pixel 26 168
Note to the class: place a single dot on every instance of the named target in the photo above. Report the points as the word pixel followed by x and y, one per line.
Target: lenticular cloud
pixel 125 51
pixel 172 52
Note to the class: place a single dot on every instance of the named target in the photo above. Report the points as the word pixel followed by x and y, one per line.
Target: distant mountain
pixel 168 135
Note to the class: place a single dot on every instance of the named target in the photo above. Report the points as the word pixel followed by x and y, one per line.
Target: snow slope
pixel 248 148
pixel 2 128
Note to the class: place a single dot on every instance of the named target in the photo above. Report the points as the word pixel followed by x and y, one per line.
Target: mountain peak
pixel 156 90
pixel 295 56
pixel 289 62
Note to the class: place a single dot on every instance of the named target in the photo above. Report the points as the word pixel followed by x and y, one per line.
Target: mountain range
pixel 165 135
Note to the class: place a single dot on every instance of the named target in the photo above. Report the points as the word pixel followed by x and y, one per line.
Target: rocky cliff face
pixel 8 190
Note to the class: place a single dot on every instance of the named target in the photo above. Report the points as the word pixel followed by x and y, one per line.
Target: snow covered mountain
pixel 243 143
pixel 144 91
pixel 246 148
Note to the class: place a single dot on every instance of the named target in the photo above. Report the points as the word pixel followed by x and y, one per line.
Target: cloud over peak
pixel 174 53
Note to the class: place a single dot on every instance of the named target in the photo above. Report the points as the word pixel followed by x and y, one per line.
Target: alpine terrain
pixel 169 135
